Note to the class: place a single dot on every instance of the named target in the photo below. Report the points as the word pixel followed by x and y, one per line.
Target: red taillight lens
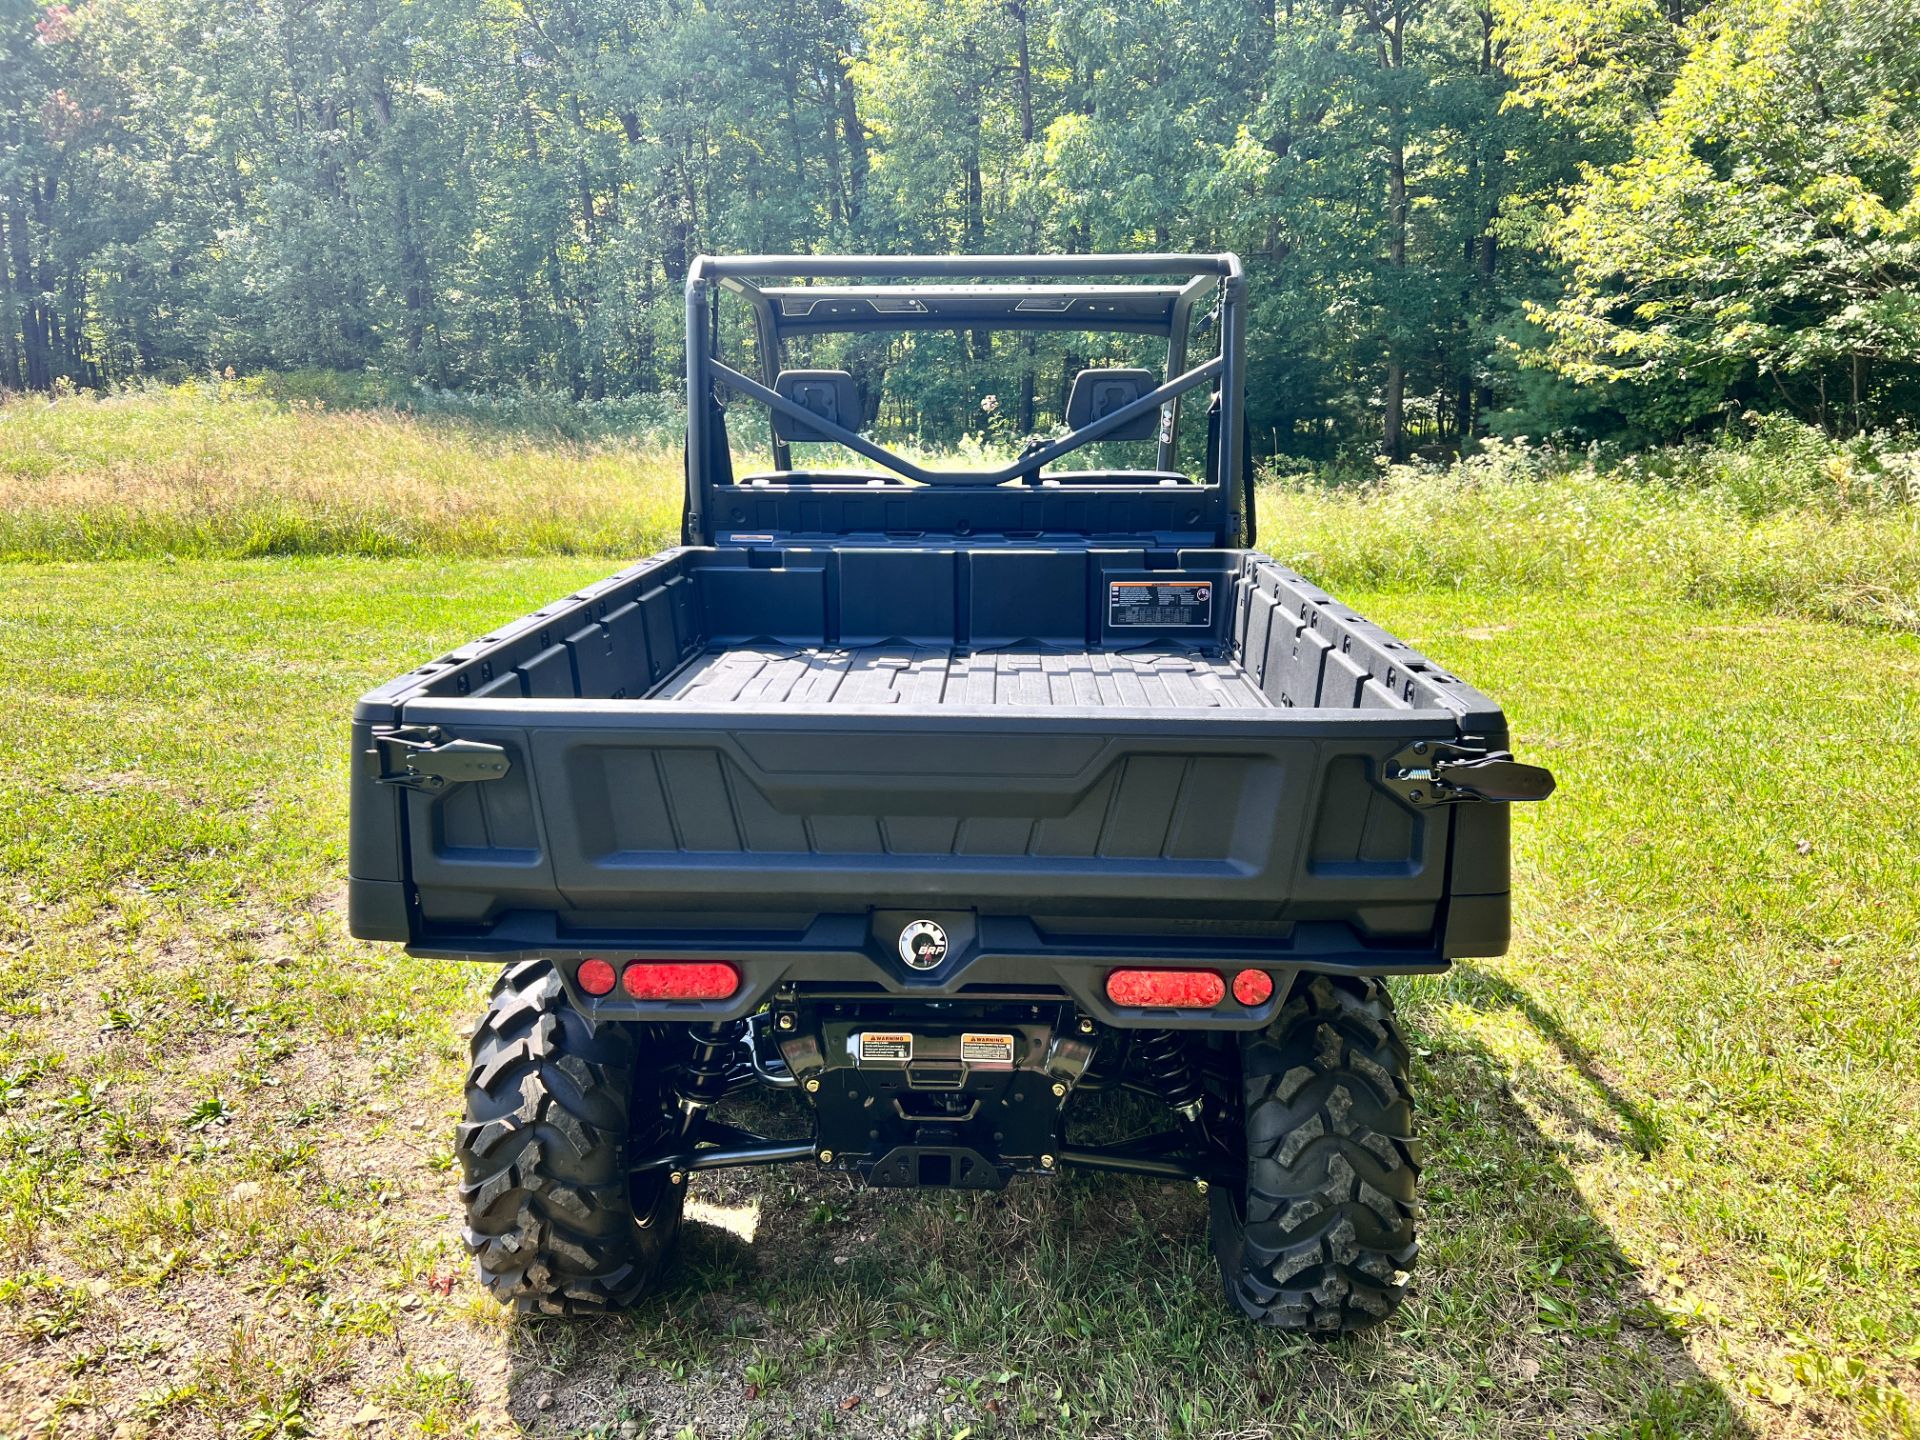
pixel 680 980
pixel 1166 989
pixel 595 976
pixel 1253 987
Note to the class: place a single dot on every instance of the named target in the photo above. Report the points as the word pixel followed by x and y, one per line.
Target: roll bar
pixel 888 267
pixel 897 307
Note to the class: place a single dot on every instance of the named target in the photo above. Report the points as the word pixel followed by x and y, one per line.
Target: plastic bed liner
pixel 1157 677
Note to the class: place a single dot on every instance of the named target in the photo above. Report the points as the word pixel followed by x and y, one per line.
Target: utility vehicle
pixel 944 806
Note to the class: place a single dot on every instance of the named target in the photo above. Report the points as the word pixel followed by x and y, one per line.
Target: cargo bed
pixel 1155 677
pixel 789 747
pixel 938 798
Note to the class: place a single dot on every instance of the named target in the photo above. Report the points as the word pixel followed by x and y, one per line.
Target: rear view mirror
pixel 1098 393
pixel 827 393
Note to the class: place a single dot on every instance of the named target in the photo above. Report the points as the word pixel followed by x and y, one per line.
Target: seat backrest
pixel 1097 393
pixel 827 393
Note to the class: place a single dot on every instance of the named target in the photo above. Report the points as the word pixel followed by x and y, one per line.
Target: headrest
pixel 827 393
pixel 1098 393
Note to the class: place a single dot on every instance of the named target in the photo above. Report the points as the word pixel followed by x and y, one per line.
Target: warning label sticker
pixel 1160 604
pixel 885 1045
pixel 986 1049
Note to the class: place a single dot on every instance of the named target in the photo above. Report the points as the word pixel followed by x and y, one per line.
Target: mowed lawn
pixel 1674 1138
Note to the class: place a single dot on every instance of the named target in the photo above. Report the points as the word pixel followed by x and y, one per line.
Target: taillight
pixel 1166 989
pixel 679 980
pixel 1253 987
pixel 595 976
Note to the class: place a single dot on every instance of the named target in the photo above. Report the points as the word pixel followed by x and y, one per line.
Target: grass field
pixel 1674 1137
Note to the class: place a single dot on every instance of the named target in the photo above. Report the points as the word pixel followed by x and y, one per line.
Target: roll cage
pixel 1138 294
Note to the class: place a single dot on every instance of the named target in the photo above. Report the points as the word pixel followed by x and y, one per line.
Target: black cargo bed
pixel 730 744
pixel 1156 677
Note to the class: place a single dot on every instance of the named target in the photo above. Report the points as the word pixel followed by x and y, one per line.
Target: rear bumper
pixel 991 958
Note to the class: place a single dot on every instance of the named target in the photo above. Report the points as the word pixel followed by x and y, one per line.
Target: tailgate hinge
pixel 421 757
pixel 1433 772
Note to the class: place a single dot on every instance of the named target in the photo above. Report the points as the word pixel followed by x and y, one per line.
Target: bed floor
pixel 925 676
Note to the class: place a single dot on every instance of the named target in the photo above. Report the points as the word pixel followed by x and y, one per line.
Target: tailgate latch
pixel 1432 772
pixel 421 757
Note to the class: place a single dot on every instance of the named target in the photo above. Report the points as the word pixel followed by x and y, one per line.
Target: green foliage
pixel 1462 216
pixel 1760 235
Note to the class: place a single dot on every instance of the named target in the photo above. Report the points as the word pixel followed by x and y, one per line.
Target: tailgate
pixel 639 818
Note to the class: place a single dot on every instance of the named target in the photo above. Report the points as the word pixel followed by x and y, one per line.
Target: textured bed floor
pixel 1162 678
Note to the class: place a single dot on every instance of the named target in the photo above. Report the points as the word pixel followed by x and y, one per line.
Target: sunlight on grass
pixel 1672 1152
pixel 1786 520
pixel 742 1221
pixel 224 469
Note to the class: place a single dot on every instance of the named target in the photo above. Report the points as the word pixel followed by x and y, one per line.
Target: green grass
pixel 1844 544
pixel 232 469
pixel 1674 1137
pixel 1782 519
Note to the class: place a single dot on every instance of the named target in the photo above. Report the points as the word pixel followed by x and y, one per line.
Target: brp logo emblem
pixel 923 944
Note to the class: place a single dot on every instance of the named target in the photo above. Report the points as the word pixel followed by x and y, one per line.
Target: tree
pixel 1760 239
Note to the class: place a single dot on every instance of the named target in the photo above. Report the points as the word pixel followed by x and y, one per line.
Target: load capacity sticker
pixel 885 1045
pixel 1160 604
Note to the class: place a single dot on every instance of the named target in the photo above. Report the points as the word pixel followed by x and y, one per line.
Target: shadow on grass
pixel 1633 1128
pixel 800 1304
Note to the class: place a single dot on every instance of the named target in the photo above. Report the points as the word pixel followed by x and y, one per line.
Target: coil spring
pixel 1162 1058
pixel 704 1078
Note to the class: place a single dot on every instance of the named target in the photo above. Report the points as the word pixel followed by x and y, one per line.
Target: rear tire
pixel 553 1102
pixel 1321 1234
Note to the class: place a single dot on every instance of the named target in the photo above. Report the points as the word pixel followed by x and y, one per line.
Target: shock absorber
pixel 703 1079
pixel 1162 1056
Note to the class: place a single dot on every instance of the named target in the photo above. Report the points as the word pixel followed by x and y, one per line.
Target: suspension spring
pixel 1162 1058
pixel 703 1079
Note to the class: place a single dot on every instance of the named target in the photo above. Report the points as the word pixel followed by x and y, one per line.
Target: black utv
pixel 949 802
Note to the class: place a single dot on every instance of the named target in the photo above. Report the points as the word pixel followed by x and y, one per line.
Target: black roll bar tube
pixel 876 267
pixel 1233 400
pixel 1177 361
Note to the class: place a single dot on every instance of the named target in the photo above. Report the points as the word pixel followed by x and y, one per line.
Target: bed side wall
pixel 1304 648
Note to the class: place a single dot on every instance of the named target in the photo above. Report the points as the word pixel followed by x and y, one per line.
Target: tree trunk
pixel 9 313
pixel 1393 437
pixel 977 233
pixel 1023 73
pixel 36 291
pixel 854 136
pixel 1026 416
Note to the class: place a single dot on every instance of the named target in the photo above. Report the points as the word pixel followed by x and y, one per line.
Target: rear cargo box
pixel 1092 747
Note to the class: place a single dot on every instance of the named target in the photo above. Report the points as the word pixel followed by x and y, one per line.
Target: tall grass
pixel 230 468
pixel 633 419
pixel 1780 516
pixel 1784 519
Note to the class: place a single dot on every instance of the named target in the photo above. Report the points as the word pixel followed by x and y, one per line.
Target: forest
pixel 1578 220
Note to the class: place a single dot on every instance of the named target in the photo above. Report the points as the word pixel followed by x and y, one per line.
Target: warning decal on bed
pixel 1160 604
